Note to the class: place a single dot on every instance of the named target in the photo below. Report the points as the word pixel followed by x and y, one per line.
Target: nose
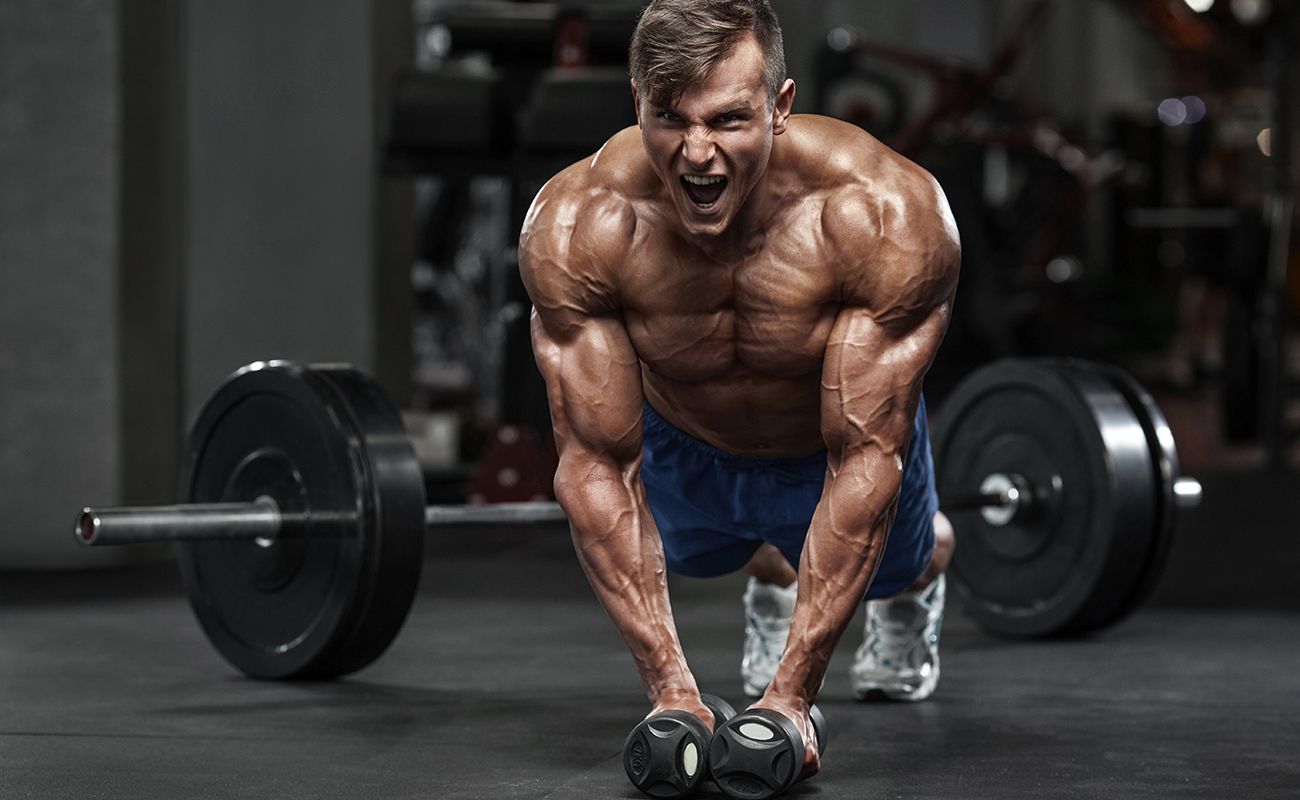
pixel 698 149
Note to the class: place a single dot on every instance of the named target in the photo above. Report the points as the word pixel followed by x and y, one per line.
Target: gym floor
pixel 508 682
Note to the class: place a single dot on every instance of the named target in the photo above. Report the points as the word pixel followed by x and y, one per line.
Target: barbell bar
pixel 302 518
pixel 1001 498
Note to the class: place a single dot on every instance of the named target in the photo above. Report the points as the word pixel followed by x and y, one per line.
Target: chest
pixel 691 318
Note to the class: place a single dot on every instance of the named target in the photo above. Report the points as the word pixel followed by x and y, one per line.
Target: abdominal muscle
pixel 743 411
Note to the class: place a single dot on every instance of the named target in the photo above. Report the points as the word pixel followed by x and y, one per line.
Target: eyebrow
pixel 738 107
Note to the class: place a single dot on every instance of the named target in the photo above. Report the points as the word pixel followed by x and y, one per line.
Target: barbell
pixel 303 516
pixel 1083 475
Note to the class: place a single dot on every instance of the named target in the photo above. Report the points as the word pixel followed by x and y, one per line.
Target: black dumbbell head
pixel 756 755
pixel 819 728
pixel 666 755
pixel 722 710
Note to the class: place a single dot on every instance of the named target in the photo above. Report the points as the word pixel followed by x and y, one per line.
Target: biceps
pixel 871 384
pixel 593 386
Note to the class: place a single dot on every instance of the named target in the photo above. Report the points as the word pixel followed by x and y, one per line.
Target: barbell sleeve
pixel 196 522
pixel 1187 492
pixel 262 520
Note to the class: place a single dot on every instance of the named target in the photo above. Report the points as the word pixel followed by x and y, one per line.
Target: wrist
pixel 799 677
pixel 673 692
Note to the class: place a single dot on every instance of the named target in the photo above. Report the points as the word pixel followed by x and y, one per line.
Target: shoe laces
pixel 769 629
pixel 770 636
pixel 895 627
pixel 890 642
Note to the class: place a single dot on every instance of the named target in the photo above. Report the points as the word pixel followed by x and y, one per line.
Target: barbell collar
pixel 1000 499
pixel 976 501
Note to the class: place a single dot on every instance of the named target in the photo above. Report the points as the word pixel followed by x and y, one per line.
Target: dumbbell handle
pixel 263 520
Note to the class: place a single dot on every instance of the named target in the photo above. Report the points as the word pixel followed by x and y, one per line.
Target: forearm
pixel 619 548
pixel 846 540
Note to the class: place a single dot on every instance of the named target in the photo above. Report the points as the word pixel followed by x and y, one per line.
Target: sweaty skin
pixel 799 311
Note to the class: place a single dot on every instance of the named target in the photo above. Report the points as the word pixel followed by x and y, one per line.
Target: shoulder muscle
pixel 895 240
pixel 575 235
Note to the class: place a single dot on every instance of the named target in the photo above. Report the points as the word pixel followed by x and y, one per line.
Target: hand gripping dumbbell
pixel 760 753
pixel 666 754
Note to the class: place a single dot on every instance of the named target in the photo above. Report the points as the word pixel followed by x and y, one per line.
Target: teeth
pixel 704 180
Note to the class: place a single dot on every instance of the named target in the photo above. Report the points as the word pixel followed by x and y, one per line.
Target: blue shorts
pixel 714 509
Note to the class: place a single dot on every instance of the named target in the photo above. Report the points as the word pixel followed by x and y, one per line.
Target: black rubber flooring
pixel 509 682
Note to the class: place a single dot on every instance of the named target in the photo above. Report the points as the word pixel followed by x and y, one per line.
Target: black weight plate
pixel 396 558
pixel 1137 490
pixel 1165 472
pixel 329 596
pixel 1038 574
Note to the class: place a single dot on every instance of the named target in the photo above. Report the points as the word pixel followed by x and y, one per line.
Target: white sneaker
pixel 899 656
pixel 768 611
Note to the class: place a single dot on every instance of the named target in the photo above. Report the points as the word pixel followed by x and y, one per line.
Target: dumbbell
pixel 666 755
pixel 760 753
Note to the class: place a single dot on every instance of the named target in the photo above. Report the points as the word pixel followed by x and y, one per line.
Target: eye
pixel 668 116
pixel 731 119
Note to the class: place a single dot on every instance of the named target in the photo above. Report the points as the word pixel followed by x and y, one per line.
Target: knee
pixel 945 540
pixel 944 543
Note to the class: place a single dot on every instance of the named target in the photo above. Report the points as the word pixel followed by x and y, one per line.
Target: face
pixel 710 146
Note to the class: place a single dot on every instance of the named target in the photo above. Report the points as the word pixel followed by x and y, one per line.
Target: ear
pixel 636 102
pixel 781 107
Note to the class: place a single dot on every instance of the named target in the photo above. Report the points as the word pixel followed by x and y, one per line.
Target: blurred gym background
pixel 186 187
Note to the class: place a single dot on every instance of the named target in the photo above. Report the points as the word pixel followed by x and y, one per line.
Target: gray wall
pixel 280 182
pixel 59 184
pixel 184 187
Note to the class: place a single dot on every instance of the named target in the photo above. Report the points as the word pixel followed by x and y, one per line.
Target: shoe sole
pixel 877 694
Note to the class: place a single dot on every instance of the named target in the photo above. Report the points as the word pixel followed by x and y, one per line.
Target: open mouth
pixel 704 190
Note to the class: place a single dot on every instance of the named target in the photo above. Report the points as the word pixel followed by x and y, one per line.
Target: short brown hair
pixel 679 42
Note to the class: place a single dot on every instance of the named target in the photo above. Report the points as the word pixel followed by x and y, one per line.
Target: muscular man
pixel 734 312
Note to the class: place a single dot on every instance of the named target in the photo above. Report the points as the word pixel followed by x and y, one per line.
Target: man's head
pixel 679 42
pixel 709 81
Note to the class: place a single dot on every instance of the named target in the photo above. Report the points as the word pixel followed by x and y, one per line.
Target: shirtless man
pixel 734 309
